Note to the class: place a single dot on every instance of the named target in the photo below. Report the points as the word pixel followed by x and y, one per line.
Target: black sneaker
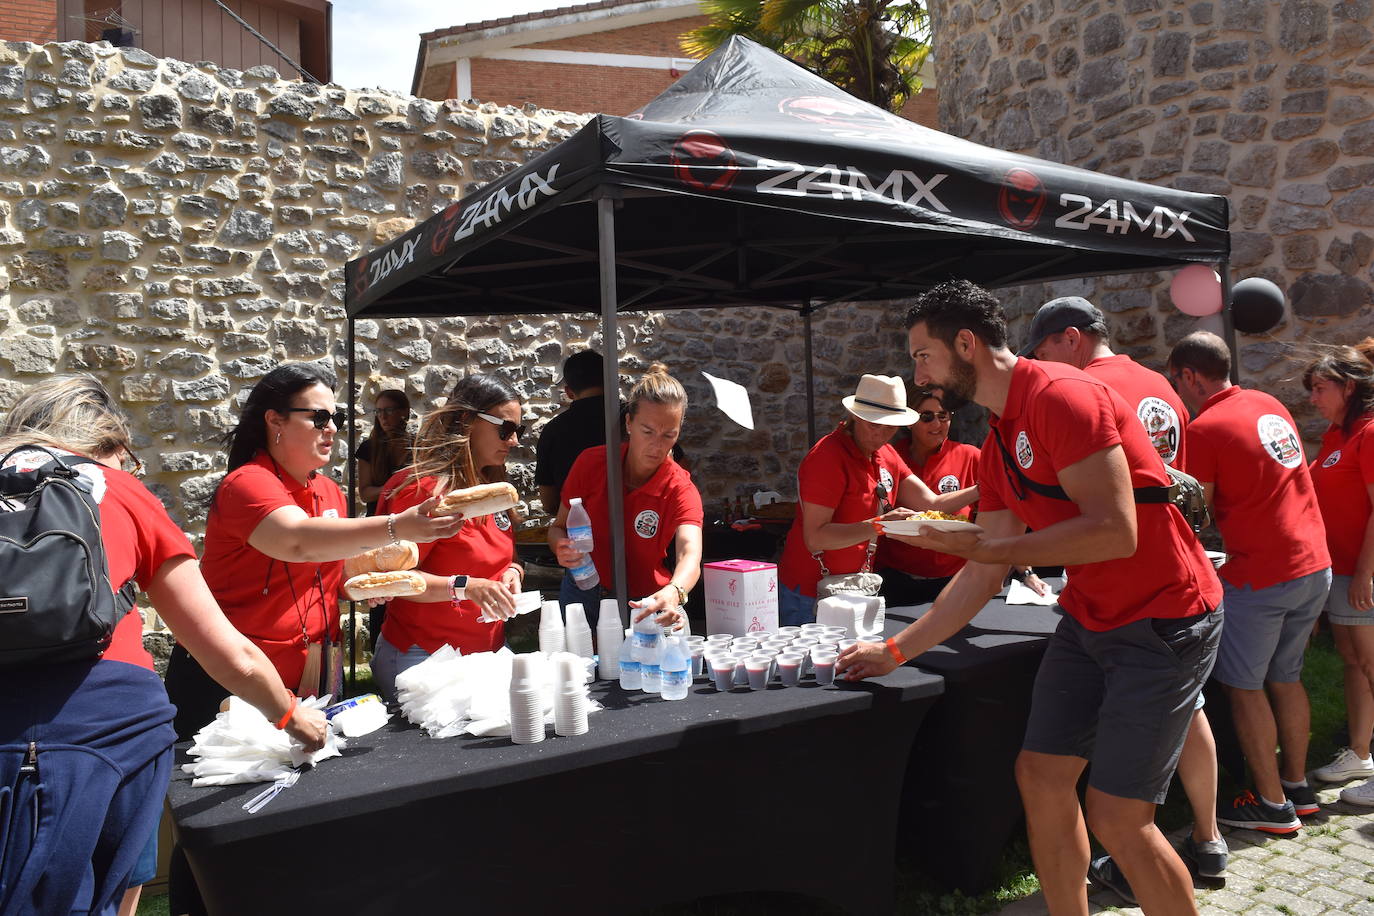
pixel 1304 800
pixel 1208 858
pixel 1251 813
pixel 1104 873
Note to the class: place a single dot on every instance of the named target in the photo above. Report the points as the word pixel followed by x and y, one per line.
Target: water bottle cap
pixel 575 501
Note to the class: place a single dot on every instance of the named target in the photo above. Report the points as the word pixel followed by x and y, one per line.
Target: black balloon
pixel 1256 305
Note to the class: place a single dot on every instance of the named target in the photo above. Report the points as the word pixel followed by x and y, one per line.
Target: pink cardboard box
pixel 741 597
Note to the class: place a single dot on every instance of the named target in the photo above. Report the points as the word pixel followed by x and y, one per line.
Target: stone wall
pixel 178 229
pixel 1268 102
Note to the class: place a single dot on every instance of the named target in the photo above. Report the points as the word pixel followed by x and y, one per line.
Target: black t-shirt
pixel 566 436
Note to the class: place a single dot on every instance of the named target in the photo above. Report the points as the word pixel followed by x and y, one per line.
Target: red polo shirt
pixel 1245 444
pixel 653 513
pixel 1342 475
pixel 270 601
pixel 1156 404
pixel 836 475
pixel 1056 416
pixel 483 547
pixel 952 466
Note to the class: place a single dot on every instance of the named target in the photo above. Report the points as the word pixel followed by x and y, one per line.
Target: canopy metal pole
pixel 810 383
pixel 610 381
pixel 1228 321
pixel 352 500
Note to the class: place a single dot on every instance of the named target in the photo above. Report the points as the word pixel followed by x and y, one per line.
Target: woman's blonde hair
pixel 71 412
pixel 443 449
pixel 656 386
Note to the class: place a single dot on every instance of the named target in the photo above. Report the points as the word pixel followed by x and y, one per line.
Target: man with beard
pixel 1068 458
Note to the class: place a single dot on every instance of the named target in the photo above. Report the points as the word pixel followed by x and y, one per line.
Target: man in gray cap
pixel 1074 331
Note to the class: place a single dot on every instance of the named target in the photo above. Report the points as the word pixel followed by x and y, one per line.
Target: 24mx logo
pixel 798 180
pixel 1120 217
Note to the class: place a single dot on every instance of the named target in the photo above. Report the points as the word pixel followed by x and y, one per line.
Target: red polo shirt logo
pixel 646 523
pixel 1279 440
pixel 1161 425
pixel 1024 455
pixel 1332 458
pixel 949 483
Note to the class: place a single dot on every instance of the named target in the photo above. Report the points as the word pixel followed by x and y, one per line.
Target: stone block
pixel 1356 208
pixel 143 388
pixel 1302 25
pixel 160 111
pixel 1256 168
pixel 1300 252
pixel 1350 257
pixel 1285 219
pixel 1328 295
pixel 1211 156
pixel 1310 101
pixel 1310 157
pixel 1250 248
pixel 1243 15
pixel 214 387
pixel 1221 54
pixel 1292 128
pixel 1243 128
pixel 1358 139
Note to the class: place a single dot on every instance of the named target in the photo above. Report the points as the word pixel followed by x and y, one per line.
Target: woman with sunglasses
pixel 386 449
pixel 276 537
pixel 851 477
pixel 661 507
pixel 914 575
pixel 472 573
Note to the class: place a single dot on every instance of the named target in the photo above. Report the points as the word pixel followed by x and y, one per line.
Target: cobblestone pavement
pixel 1327 868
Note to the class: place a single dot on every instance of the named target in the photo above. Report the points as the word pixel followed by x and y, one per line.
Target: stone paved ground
pixel 1326 869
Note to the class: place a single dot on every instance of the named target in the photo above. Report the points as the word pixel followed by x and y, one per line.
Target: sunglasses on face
pixel 388 411
pixel 508 427
pixel 931 416
pixel 320 417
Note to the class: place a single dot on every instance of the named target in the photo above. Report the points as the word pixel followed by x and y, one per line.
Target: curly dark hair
pixel 958 305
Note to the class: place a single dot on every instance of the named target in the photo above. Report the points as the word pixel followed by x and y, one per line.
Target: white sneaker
pixel 1363 794
pixel 1345 767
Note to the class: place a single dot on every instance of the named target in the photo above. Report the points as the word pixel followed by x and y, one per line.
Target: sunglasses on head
pixel 508 427
pixel 321 417
pixel 930 416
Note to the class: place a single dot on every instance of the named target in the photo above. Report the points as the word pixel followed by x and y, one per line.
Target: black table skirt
pixel 613 821
pixel 960 804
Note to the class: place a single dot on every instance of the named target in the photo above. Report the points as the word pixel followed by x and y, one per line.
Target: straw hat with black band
pixel 880 399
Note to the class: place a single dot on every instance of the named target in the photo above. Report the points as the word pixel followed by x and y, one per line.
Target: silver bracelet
pixel 391 528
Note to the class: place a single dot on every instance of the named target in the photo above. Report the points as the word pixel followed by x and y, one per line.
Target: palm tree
pixel 872 49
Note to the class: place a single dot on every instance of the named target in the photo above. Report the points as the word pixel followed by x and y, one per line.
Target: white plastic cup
pixel 837 631
pixel 741 672
pixel 698 659
pixel 745 642
pixel 846 643
pixel 789 669
pixel 789 631
pixel 757 667
pixel 823 665
pixel 723 672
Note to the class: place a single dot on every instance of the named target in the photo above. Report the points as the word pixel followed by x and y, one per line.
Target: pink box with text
pixel 741 597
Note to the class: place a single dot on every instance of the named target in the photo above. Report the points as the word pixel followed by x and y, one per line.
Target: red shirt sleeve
pixel 820 479
pixel 687 508
pixel 247 496
pixel 1078 418
pixel 158 538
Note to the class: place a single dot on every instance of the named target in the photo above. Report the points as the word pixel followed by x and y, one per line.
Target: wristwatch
pixel 681 594
pixel 456 588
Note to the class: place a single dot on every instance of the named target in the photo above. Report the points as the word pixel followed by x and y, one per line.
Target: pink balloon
pixel 1196 290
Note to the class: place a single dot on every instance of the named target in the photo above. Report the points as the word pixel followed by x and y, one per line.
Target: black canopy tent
pixel 751 181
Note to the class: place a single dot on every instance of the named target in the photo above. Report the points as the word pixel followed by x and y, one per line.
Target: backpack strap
pixel 1142 495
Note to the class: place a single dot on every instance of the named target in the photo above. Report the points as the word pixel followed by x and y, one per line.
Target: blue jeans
pixel 389 661
pixel 794 608
pixel 589 598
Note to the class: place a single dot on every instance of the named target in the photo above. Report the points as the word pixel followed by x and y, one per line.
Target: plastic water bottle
pixel 580 533
pixel 651 671
pixel 629 665
pixel 676 667
pixel 646 635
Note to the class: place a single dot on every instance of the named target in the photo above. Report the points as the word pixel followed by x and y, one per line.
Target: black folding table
pixel 659 803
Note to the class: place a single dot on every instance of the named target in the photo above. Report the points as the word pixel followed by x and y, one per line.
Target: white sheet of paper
pixel 733 400
pixel 1021 594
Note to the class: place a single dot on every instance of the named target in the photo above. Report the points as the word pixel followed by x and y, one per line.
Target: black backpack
pixel 1184 490
pixel 56 600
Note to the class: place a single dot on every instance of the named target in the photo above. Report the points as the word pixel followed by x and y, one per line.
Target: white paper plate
pixel 914 527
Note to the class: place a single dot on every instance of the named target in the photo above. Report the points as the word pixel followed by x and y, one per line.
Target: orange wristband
pixel 295 701
pixel 894 651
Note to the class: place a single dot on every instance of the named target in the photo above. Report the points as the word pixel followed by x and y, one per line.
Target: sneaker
pixel 1304 800
pixel 1208 858
pixel 1104 873
pixel 1251 813
pixel 1362 795
pixel 1345 767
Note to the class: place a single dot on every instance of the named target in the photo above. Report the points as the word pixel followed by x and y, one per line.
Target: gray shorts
pixel 1267 629
pixel 1339 609
pixel 1122 699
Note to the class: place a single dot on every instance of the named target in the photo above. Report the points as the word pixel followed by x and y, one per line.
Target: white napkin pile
pixel 1023 594
pixel 454 694
pixel 240 745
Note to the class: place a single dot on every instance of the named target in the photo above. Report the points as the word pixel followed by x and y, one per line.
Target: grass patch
pixel 154 906
pixel 1322 676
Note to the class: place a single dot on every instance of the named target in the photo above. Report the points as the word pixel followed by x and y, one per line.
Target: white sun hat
pixel 880 399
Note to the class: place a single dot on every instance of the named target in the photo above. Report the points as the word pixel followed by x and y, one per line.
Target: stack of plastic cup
pixel 789 632
pixel 552 637
pixel 578 632
pixel 823 665
pixel 610 633
pixel 744 644
pixel 837 632
pixel 526 700
pixel 697 646
pixel 570 699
